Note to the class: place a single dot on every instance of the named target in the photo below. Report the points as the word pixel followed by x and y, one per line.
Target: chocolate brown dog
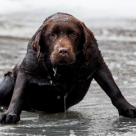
pixel 62 59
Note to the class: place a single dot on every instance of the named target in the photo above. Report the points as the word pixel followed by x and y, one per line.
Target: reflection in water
pixel 72 123
pixel 50 124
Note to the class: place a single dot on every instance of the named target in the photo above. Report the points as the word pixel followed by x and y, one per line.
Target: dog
pixel 62 59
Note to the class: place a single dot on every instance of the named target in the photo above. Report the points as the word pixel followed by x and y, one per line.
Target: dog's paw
pixel 131 113
pixel 8 118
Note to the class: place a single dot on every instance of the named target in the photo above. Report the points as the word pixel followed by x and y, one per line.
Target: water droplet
pixel 55 71
pixel 50 82
pixel 58 97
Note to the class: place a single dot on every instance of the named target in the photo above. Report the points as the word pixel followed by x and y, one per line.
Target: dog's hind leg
pixel 7 85
pixel 6 88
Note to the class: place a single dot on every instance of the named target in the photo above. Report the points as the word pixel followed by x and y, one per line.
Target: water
pixel 81 9
pixel 95 115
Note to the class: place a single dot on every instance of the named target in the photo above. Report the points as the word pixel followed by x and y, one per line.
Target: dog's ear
pixel 36 39
pixel 89 45
pixel 35 42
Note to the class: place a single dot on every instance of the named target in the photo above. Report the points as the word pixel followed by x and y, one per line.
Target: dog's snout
pixel 63 52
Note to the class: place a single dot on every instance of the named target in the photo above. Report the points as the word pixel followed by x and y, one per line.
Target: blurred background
pixel 114 26
pixel 21 18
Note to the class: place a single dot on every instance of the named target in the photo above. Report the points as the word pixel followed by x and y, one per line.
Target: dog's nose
pixel 63 52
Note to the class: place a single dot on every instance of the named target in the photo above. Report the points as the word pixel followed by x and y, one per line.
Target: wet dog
pixel 62 59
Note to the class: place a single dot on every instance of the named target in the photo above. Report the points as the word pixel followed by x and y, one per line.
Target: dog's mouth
pixel 62 62
pixel 59 60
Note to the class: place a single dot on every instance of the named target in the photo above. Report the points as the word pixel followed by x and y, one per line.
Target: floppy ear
pixel 92 54
pixel 89 46
pixel 36 45
pixel 35 41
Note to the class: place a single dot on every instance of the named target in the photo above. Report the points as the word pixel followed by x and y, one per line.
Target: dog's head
pixel 62 37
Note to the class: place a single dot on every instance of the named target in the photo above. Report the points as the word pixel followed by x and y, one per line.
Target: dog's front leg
pixel 12 115
pixel 104 78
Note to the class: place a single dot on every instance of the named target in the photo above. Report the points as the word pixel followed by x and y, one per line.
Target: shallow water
pixel 95 115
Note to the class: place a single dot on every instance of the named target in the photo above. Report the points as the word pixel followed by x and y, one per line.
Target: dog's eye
pixel 73 34
pixel 53 35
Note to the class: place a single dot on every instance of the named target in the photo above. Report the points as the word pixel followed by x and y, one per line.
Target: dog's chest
pixel 56 98
pixel 63 87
